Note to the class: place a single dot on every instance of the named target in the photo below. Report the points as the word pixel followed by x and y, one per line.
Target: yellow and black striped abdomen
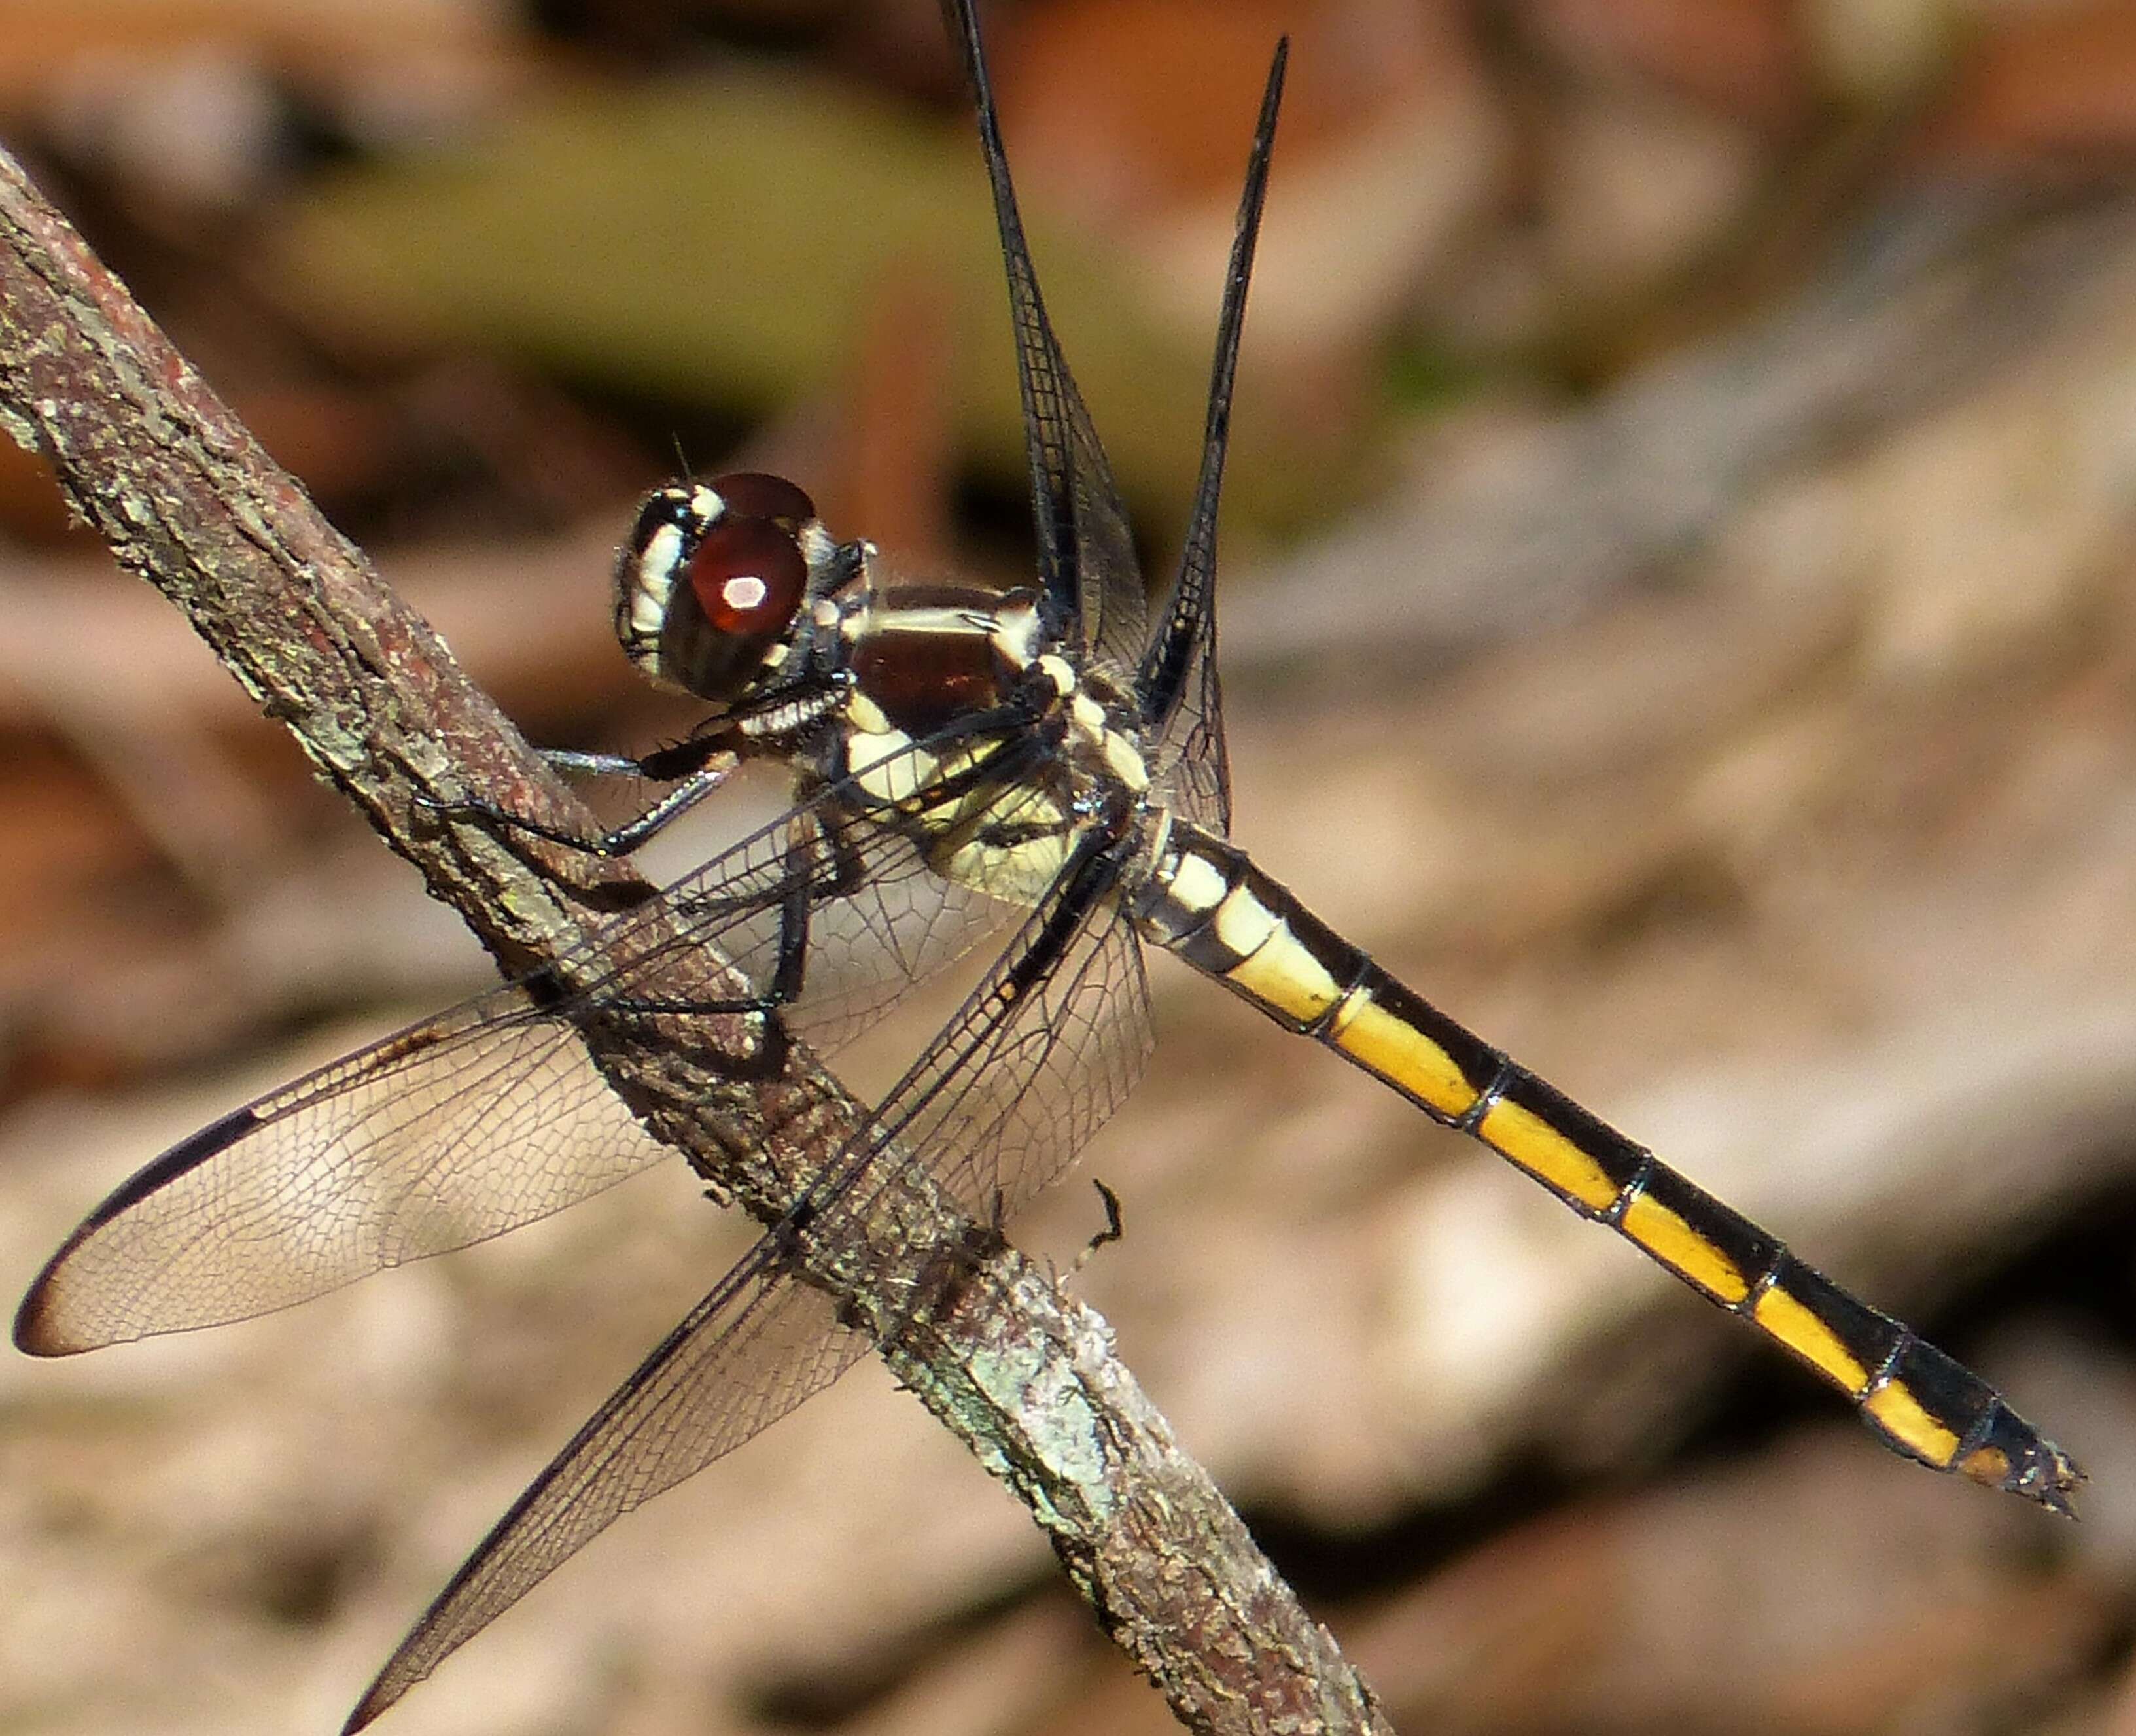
pixel 1207 903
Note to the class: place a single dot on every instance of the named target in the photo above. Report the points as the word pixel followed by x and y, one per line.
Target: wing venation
pixel 494 1113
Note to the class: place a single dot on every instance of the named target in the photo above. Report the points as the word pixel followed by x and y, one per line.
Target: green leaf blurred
pixel 717 243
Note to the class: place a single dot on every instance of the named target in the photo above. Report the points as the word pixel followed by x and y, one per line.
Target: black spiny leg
pixel 788 974
pixel 797 889
pixel 695 767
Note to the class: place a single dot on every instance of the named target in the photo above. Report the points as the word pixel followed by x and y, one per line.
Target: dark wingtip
pixel 33 1327
pixel 39 1328
pixel 376 1699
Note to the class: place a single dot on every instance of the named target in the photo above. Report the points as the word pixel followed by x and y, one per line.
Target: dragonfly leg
pixel 695 767
pixel 804 880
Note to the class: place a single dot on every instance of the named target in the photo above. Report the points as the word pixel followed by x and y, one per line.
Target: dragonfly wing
pixel 881 917
pixel 1178 677
pixel 750 1351
pixel 494 1113
pixel 482 1118
pixel 1035 1061
pixel 1107 567
pixel 1086 548
pixel 1001 1101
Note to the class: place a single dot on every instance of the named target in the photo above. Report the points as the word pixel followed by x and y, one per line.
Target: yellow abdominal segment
pixel 1282 974
pixel 1206 902
pixel 1810 1339
pixel 1894 1406
pixel 1523 1137
pixel 1666 1236
pixel 1401 1055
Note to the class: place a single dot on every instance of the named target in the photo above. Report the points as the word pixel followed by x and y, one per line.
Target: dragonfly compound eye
pixel 709 584
pixel 746 578
pixel 752 494
pixel 748 575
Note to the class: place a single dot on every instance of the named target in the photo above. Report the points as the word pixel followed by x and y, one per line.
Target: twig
pixel 1024 1377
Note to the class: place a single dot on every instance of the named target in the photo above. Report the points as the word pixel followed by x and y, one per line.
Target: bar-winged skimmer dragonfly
pixel 1047 761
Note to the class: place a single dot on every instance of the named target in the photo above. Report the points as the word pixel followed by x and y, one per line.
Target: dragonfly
pixel 1036 777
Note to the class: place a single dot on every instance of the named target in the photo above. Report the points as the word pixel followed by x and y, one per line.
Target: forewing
pixel 1086 555
pixel 1002 1100
pixel 482 1118
pixel 494 1113
pixel 1178 678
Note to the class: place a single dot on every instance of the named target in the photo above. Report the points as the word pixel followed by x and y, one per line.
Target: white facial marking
pixel 655 571
pixel 663 549
pixel 1058 671
pixel 705 504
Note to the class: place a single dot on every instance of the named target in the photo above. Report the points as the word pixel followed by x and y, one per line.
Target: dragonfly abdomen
pixel 1207 902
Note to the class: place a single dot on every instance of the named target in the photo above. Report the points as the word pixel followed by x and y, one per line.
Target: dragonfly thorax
pixel 990 740
pixel 921 657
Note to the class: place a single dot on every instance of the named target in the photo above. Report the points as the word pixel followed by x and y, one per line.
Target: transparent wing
pixel 1086 555
pixel 485 1117
pixel 1002 1100
pixel 746 1354
pixel 1019 1082
pixel 1177 679
pixel 492 1114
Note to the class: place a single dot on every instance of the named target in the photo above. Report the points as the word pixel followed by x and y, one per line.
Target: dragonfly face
pixel 1041 769
pixel 711 588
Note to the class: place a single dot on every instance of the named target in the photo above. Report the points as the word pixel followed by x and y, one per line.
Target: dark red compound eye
pixel 748 576
pixel 753 494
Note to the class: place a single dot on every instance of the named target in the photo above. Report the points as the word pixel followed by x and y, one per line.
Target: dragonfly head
pixel 710 588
